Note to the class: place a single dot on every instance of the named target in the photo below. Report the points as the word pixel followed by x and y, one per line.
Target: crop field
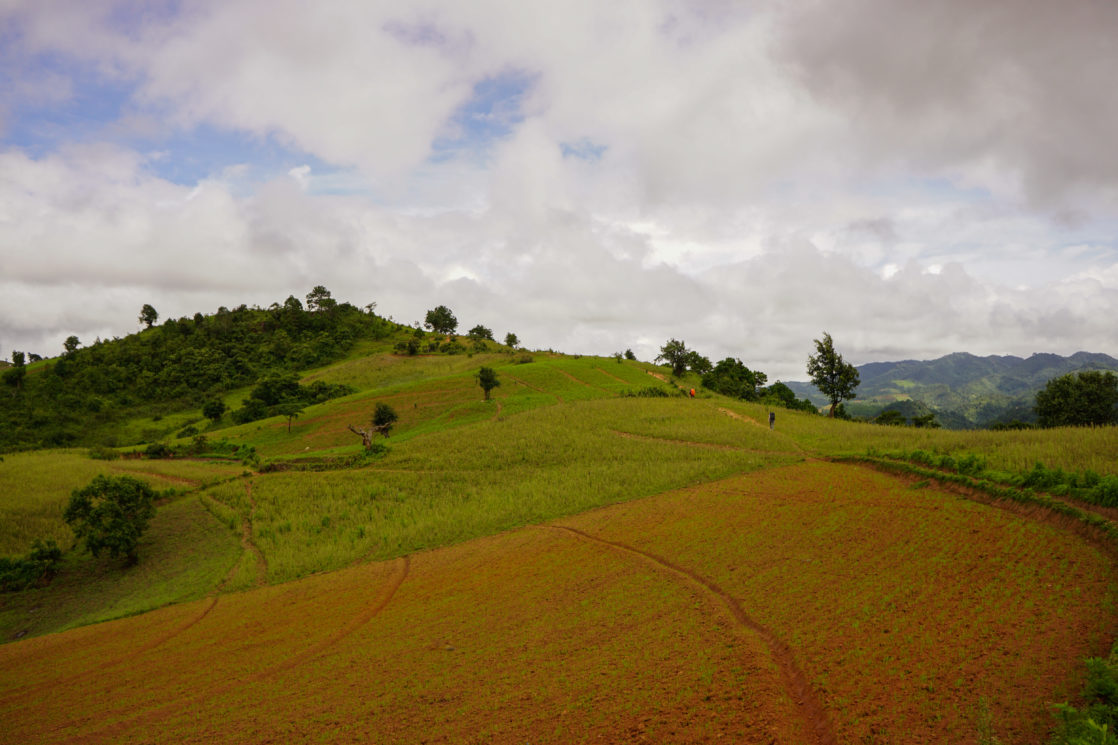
pixel 803 603
pixel 563 563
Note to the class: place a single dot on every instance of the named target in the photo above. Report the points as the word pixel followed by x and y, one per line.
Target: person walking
pixel 772 419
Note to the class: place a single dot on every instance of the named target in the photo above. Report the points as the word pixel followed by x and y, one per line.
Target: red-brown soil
pixel 816 603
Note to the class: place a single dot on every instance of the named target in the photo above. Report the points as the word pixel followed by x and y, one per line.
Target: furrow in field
pixel 583 382
pixel 795 682
pixel 609 374
pixel 249 544
pixel 118 730
pixel 515 379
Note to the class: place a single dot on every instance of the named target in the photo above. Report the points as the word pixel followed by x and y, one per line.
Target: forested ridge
pixel 74 399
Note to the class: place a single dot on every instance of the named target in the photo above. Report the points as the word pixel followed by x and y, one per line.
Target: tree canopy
pixel 487 379
pixel 675 353
pixel 1078 399
pixel 148 315
pixel 834 378
pixel 731 377
pixel 110 515
pixel 440 320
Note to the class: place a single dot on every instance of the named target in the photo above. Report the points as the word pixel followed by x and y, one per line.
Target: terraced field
pixel 586 569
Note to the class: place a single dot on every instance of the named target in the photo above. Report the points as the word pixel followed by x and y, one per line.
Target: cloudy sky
pixel 914 178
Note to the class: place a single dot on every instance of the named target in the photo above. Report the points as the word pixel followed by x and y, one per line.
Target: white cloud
pixel 743 178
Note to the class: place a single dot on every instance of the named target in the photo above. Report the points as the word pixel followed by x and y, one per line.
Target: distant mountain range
pixel 964 391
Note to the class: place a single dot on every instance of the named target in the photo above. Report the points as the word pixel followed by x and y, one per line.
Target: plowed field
pixel 816 603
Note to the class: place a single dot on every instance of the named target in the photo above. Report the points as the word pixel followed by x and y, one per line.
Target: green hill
pixel 964 391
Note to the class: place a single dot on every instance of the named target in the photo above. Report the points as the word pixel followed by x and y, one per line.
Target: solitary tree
pixel 629 354
pixel 674 352
pixel 14 375
pixel 834 378
pixel 441 320
pixel 479 332
pixel 148 315
pixel 289 409
pixel 384 417
pixel 214 409
pixel 71 344
pixel 511 340
pixel 1078 399
pixel 110 514
pixel 319 299
pixel 487 379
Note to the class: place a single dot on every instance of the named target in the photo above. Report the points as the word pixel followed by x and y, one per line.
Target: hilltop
pixel 963 390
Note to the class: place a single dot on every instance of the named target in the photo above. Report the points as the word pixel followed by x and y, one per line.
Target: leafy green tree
pixel 781 395
pixel 697 363
pixel 834 378
pixel 214 409
pixel 290 409
pixel 148 315
pixel 14 375
pixel 731 377
pixel 71 344
pixel 479 332
pixel 891 417
pixel 629 355
pixel 319 299
pixel 110 514
pixel 441 320
pixel 511 340
pixel 674 352
pixel 384 418
pixel 925 421
pixel 1078 399
pixel 487 379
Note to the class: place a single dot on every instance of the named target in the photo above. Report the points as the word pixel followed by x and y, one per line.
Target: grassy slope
pixel 555 441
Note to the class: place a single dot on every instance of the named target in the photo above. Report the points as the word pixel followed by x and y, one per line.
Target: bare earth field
pixel 816 603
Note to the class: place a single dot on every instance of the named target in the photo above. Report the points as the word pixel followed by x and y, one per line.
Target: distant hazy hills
pixel 961 389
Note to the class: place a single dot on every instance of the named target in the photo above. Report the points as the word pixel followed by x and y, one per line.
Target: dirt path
pixel 583 382
pixel 496 416
pixel 249 544
pixel 646 438
pixel 816 721
pixel 658 376
pixel 611 375
pixel 534 388
pixel 194 483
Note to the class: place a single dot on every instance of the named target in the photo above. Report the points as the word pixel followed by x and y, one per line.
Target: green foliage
pixel 282 395
pixel 37 568
pixel 731 377
pixel 110 514
pixel 629 355
pixel 891 417
pixel 148 316
pixel 319 299
pixel 100 452
pixel 214 409
pixel 778 394
pixel 511 340
pixel 487 379
pixel 830 374
pixel 676 354
pixel 479 332
pixel 1080 399
pixel 82 397
pixel 652 391
pixel 441 320
pixel 384 418
pixel 1096 723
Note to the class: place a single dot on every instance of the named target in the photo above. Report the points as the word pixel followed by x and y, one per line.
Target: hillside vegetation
pixel 591 555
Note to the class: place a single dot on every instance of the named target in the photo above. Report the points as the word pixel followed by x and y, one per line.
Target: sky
pixel 915 179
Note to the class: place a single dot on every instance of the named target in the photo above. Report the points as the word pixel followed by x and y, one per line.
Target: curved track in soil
pixel 818 724
pixel 118 730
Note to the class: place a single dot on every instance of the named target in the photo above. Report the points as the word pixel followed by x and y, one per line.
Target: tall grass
pixel 491 476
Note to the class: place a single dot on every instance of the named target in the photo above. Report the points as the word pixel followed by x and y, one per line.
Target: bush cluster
pixel 37 568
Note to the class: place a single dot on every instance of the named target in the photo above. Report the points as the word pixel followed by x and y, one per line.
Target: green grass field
pixel 559 439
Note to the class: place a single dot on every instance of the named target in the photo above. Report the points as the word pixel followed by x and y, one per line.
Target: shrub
pixel 103 453
pixel 37 568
